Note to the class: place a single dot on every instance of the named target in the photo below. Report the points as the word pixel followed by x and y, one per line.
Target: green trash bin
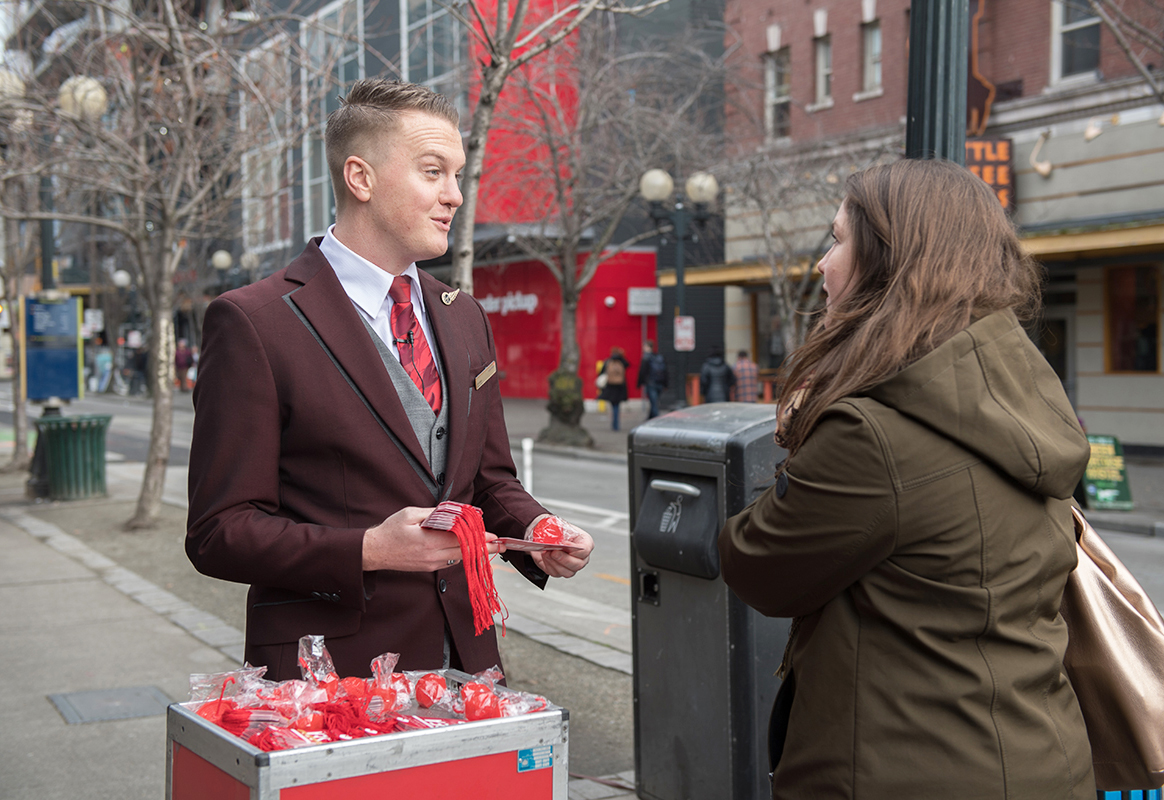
pixel 74 449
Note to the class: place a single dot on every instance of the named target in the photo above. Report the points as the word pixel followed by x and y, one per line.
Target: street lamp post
pixel 656 186
pixel 222 261
pixel 83 98
pixel 79 97
pixel 939 41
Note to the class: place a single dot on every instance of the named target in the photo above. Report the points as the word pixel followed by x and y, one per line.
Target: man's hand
pixel 400 543
pixel 563 563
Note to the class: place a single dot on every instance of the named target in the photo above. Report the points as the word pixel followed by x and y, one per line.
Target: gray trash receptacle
pixel 704 663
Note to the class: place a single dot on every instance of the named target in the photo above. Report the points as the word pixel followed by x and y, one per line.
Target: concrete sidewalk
pixel 75 623
pixel 80 619
pixel 88 640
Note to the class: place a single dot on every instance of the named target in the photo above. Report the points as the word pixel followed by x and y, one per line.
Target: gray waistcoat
pixel 431 429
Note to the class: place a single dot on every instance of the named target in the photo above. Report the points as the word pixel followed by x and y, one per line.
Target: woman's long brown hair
pixel 933 251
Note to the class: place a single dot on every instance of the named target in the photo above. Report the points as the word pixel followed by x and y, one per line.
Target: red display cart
pixel 512 758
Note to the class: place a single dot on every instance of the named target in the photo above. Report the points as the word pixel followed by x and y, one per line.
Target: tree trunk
pixel 566 404
pixel 161 381
pixel 21 459
pixel 463 223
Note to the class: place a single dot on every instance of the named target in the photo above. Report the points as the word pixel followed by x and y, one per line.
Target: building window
pixel 1133 319
pixel 871 52
pixel 824 70
pixel 333 41
pixel 1074 39
pixel 267 193
pixel 777 95
pixel 436 45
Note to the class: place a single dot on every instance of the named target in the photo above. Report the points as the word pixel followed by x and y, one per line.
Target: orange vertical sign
pixel 992 160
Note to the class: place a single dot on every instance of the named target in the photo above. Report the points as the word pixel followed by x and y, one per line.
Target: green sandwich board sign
pixel 1106 479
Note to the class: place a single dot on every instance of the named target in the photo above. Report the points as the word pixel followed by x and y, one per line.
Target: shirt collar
pixel 366 284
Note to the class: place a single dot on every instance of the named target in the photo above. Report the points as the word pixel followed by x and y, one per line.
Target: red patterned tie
pixel 415 356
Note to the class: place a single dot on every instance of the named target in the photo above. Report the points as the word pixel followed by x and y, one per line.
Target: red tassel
pixel 469 528
pixel 468 525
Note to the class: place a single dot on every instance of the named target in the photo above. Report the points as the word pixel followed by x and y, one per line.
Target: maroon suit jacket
pixel 301 444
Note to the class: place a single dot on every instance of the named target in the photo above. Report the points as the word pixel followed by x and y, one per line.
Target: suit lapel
pixel 454 356
pixel 326 306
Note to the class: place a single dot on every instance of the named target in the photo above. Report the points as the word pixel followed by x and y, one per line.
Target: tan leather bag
pixel 1115 660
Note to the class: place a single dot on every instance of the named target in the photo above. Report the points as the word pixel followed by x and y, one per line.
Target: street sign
pixel 94 322
pixel 684 334
pixel 52 348
pixel 647 302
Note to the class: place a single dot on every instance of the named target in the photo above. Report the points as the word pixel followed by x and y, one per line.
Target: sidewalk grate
pixel 103 705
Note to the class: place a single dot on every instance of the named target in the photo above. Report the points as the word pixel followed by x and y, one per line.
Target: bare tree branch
pixel 1100 7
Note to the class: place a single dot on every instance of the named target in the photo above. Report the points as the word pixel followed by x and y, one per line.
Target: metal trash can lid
pixel 78 421
pixel 703 432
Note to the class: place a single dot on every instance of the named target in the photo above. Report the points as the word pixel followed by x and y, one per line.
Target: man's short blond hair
pixel 373 107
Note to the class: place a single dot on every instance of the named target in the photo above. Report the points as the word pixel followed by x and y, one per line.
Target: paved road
pixel 592 494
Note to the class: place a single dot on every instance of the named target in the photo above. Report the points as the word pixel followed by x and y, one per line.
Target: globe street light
pixel 82 97
pixel 701 188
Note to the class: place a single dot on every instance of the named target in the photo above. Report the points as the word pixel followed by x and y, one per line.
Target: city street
pixel 571 642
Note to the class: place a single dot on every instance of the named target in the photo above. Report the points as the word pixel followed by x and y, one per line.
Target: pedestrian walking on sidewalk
pixel 183 360
pixel 920 530
pixel 652 377
pixel 613 378
pixel 716 378
pixel 341 398
pixel 747 387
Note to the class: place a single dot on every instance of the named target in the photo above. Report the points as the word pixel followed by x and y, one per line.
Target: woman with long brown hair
pixel 920 530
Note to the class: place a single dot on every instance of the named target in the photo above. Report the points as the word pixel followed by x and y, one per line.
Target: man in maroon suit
pixel 339 399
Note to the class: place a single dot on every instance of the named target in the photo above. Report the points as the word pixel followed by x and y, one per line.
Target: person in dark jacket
pixel 652 377
pixel 614 371
pixel 920 530
pixel 716 378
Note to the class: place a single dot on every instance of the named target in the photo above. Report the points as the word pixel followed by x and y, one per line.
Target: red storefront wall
pixel 524 304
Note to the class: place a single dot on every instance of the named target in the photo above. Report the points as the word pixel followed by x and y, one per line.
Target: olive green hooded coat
pixel 925 536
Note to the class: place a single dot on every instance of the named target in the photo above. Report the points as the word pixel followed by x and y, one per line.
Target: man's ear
pixel 359 178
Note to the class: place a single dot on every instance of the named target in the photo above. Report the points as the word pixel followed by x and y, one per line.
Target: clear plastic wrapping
pixel 323 707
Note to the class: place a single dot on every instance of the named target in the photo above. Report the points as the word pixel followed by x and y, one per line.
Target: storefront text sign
pixel 647 301
pixel 992 161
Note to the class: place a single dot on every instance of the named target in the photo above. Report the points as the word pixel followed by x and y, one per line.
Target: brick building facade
pixel 820 87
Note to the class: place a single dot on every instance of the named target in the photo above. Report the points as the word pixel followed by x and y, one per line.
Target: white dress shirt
pixel 367 286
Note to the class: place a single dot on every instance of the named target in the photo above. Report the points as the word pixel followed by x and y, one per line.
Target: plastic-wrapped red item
pixel 325 708
pixel 315 663
pixel 389 691
pixel 515 704
pixel 549 531
pixel 411 722
pixel 430 689
pixel 480 701
pixel 556 532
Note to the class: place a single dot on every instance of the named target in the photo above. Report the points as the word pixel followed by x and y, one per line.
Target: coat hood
pixel 990 390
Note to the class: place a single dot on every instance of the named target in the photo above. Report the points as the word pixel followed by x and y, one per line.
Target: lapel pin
pixel 448 297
